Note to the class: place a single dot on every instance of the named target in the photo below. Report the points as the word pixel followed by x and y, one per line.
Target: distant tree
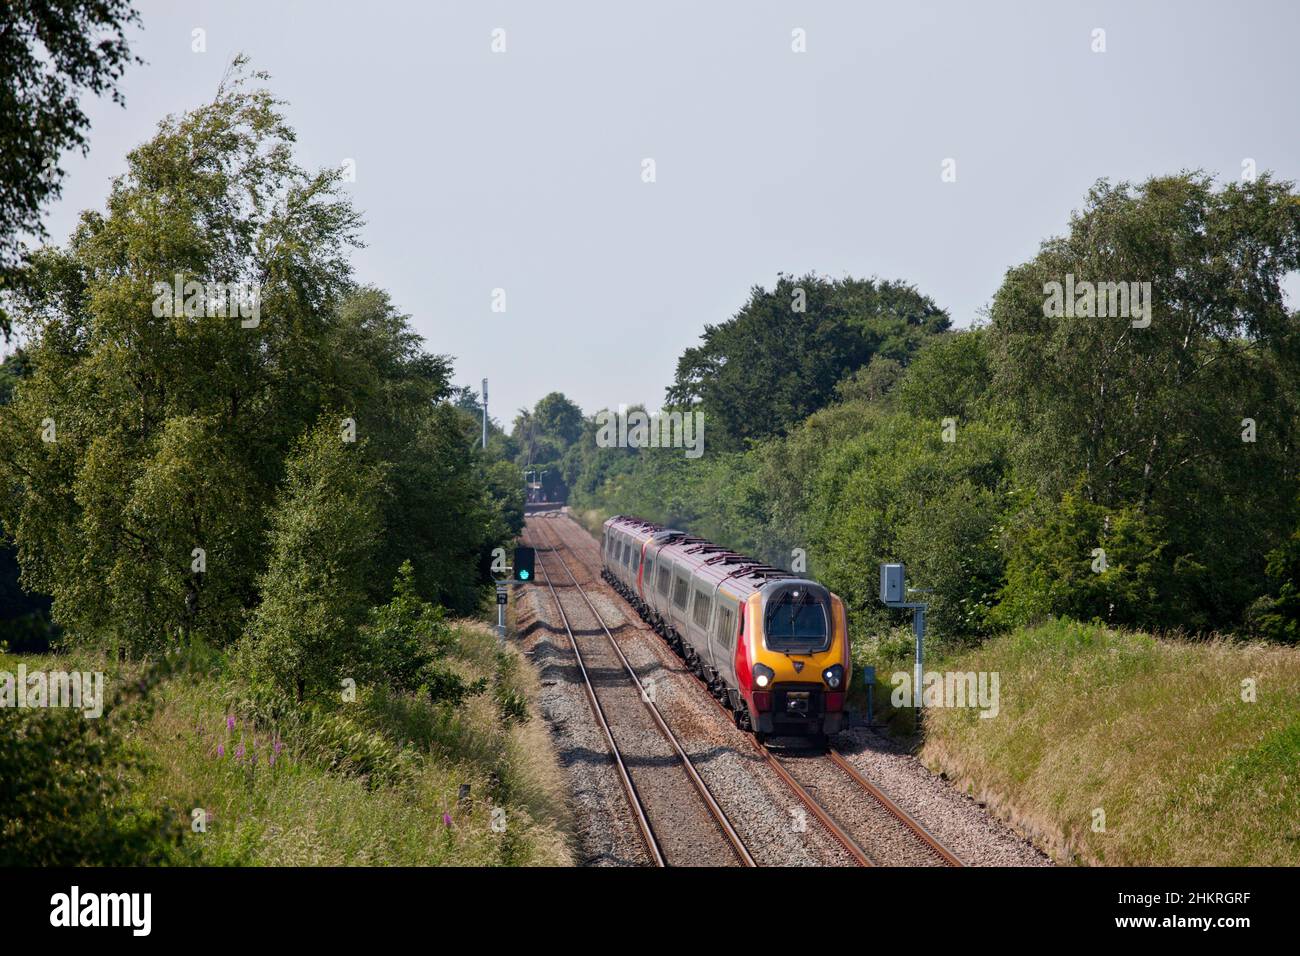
pixel 50 53
pixel 872 382
pixel 1277 615
pixel 557 417
pixel 780 357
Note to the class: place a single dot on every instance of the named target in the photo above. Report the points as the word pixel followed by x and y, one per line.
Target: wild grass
pixel 389 779
pixel 1152 733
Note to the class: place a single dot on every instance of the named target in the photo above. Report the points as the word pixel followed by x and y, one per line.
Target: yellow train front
pixel 792 661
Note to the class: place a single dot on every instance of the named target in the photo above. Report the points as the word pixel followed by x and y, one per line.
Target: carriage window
pixel 726 629
pixel 627 551
pixel 703 605
pixel 649 571
pixel 636 557
pixel 680 591
pixel 665 575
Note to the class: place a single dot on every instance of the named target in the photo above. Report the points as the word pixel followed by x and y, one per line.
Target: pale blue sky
pixel 523 170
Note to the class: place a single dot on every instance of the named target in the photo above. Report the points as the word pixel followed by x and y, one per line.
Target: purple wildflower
pixel 230 722
pixel 221 750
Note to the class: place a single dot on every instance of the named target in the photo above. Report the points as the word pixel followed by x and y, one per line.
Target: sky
pixel 524 170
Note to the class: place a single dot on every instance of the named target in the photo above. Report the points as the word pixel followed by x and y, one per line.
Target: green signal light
pixel 523 574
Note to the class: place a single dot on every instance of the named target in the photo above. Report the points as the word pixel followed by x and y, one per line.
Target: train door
pixel 680 599
pixel 725 618
pixel 701 613
pixel 663 583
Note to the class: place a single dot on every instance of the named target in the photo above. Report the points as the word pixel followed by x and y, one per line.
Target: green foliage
pixel 170 432
pixel 1054 567
pixel 66 784
pixel 773 364
pixel 1277 615
pixel 1153 418
pixel 544 436
pixel 50 54
pixel 406 641
pixel 324 534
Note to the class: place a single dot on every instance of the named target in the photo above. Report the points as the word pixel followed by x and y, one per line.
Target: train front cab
pixel 798 674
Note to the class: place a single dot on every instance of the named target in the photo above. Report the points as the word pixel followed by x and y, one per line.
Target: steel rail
pixel 719 815
pixel 629 788
pixel 902 815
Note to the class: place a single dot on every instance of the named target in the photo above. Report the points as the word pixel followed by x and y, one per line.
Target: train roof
pixel 711 560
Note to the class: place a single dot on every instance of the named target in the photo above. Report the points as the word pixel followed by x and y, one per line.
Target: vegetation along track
pixel 893 836
pixel 653 768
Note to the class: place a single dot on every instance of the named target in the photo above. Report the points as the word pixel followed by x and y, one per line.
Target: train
pixel 771 646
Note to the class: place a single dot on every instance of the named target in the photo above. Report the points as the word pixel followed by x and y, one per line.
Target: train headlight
pixel 833 676
pixel 763 675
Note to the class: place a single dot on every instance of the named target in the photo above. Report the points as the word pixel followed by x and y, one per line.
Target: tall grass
pixel 1154 734
pixel 389 779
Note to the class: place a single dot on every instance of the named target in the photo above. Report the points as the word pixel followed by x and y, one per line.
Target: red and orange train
pixel 771 646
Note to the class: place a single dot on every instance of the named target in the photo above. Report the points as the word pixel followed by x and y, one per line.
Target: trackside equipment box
pixel 891 583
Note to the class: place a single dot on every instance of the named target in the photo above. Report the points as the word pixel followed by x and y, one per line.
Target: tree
pixel 50 53
pixel 559 418
pixel 407 638
pixel 1188 413
pixel 1277 615
pixel 325 531
pixel 545 434
pixel 780 357
pixel 145 448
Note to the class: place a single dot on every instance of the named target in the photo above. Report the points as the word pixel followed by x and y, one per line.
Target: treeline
pixel 253 499
pixel 1112 464
pixel 257 463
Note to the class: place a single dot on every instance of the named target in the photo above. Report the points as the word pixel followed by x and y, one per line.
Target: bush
pixel 66 784
pixel 406 639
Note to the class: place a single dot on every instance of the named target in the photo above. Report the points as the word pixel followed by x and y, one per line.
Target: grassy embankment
pixel 1155 733
pixel 369 784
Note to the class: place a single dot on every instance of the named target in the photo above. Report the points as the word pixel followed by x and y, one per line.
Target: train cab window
pixel 700 611
pixel 797 618
pixel 665 575
pixel 680 593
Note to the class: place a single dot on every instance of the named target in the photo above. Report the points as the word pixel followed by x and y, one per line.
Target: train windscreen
pixel 797 619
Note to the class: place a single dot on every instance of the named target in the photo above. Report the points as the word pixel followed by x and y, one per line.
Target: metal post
pixel 485 414
pixel 502 592
pixel 918 625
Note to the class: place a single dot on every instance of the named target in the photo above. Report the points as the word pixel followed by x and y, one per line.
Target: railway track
pixel 895 836
pixel 648 757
